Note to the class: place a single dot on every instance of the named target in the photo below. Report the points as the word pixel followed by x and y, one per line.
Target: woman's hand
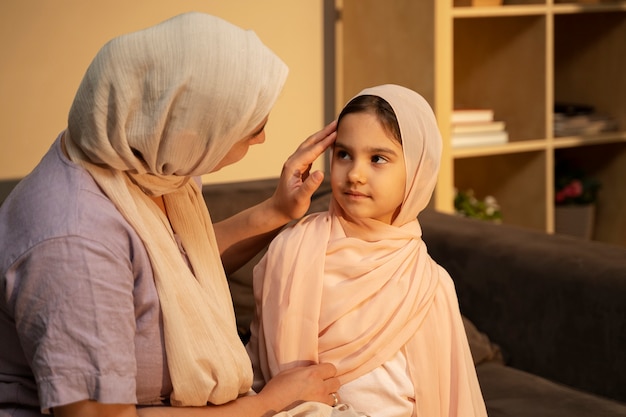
pixel 294 386
pixel 297 184
pixel 283 392
pixel 243 235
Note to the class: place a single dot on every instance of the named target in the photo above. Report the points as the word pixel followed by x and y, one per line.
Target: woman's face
pixel 368 174
pixel 240 148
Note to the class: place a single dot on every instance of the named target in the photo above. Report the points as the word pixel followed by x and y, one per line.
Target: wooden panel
pixel 388 42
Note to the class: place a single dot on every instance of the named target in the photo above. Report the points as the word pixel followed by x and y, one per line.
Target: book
pixel 471 115
pixel 471 127
pixel 462 140
pixel 583 124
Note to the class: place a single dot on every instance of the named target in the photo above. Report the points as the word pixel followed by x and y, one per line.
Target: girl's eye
pixel 377 159
pixel 342 154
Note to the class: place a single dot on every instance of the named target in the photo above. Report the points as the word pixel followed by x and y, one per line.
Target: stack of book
pixel 580 119
pixel 477 127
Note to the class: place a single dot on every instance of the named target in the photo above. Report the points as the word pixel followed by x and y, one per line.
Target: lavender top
pixel 79 312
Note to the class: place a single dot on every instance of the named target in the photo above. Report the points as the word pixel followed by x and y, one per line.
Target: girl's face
pixel 368 174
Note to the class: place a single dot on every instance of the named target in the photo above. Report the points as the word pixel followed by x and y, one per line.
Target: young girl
pixel 355 286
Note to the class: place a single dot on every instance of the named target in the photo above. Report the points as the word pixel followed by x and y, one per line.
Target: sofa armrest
pixel 556 305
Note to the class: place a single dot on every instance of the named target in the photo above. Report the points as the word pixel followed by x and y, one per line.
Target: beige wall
pixel 47 45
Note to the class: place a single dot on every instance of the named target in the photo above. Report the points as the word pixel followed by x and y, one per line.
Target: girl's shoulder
pixel 304 228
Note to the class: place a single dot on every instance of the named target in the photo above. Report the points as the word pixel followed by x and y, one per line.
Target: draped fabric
pixel 357 293
pixel 156 107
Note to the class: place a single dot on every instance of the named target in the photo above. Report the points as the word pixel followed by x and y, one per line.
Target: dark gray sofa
pixel 555 305
pixel 550 310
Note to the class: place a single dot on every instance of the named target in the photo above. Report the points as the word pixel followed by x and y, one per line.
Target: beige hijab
pixel 356 301
pixel 154 108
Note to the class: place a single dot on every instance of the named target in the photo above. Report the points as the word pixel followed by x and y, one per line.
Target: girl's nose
pixel 355 174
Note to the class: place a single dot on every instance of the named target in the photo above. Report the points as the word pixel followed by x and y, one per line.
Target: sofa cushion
pixel 509 392
pixel 483 349
pixel 553 303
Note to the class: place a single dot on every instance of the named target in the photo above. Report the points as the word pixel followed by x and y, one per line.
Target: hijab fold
pixel 354 294
pixel 156 107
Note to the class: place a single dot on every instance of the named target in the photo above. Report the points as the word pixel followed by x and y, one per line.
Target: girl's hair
pixel 377 106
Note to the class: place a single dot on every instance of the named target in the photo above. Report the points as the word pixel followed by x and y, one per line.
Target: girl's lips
pixel 354 194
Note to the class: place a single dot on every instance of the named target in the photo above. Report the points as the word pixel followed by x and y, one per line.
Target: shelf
pixel 536 9
pixel 518 59
pixel 577 141
pixel 507 148
pixel 499 11
pixel 571 8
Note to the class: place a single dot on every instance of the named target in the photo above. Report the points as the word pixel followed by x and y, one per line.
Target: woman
pixel 114 295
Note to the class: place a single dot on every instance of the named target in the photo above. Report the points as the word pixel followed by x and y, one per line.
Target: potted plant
pixel 575 194
pixel 468 205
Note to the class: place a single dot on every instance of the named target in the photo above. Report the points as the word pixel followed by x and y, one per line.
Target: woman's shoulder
pixel 59 200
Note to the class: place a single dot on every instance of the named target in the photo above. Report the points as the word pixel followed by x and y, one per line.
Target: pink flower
pixel 573 189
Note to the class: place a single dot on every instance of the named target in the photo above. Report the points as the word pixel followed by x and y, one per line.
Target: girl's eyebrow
pixel 383 150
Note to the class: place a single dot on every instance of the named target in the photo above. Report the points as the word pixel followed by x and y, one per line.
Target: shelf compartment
pixel 515 180
pixel 590 55
pixel 607 163
pixel 499 64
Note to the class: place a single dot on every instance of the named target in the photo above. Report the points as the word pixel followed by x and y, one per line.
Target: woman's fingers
pixel 313 147
pixel 305 383
pixel 297 183
pixel 322 134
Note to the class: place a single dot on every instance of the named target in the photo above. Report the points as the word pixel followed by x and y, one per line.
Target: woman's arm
pixel 284 391
pixel 243 235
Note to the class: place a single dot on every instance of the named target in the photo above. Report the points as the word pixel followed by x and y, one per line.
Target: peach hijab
pixel 329 290
pixel 155 108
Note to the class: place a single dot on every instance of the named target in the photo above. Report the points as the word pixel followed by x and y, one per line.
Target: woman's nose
pixel 258 139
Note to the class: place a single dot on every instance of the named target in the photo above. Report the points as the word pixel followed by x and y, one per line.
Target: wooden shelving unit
pixel 517 59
